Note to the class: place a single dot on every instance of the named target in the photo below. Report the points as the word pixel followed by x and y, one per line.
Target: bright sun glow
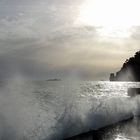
pixel 116 16
pixel 114 31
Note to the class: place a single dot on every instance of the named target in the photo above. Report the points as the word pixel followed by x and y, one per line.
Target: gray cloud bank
pixel 40 40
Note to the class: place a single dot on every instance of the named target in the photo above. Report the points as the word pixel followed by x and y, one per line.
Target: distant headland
pixel 130 70
pixel 54 79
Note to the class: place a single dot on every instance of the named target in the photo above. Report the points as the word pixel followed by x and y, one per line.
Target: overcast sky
pixel 42 39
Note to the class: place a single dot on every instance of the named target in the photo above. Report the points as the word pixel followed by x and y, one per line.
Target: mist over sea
pixel 54 110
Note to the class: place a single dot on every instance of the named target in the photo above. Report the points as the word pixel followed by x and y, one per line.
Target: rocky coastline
pixel 130 70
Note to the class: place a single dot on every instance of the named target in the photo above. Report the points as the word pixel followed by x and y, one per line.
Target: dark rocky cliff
pixel 130 70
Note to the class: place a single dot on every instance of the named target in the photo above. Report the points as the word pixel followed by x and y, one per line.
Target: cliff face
pixel 130 70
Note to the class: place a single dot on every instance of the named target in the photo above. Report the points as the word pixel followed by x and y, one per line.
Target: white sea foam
pixel 44 110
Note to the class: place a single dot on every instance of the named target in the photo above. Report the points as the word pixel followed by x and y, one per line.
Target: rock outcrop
pixel 130 70
pixel 112 77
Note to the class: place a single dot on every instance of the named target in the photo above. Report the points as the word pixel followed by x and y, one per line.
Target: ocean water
pixel 54 110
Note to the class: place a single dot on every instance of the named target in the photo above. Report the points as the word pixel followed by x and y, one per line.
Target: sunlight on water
pixel 48 110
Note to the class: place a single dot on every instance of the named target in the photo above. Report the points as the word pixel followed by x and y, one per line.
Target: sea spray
pixel 43 110
pixel 19 113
